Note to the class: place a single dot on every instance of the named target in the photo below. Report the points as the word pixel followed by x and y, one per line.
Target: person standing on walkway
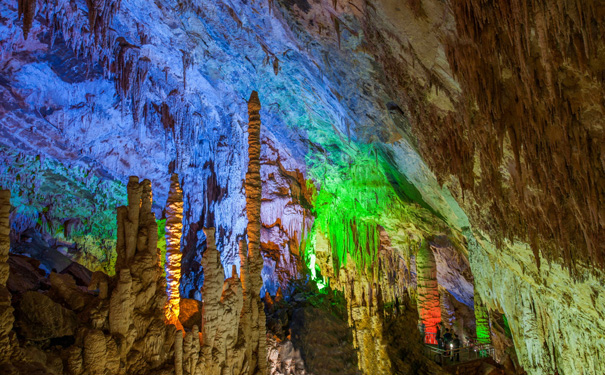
pixel 456 348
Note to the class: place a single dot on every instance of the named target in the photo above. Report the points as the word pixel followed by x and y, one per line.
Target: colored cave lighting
pixel 429 305
pixel 355 200
pixel 482 322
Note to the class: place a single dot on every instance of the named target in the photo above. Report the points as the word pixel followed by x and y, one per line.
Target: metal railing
pixel 465 354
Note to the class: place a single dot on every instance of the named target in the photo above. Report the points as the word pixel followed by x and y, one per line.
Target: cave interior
pixel 281 187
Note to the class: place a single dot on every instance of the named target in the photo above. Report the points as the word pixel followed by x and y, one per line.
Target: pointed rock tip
pixel 254 101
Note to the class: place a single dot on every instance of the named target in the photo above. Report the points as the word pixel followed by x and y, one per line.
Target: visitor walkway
pixel 466 354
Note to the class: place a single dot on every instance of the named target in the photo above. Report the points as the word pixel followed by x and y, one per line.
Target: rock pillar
pixel 429 307
pixel 174 231
pixel 256 348
pixel 136 309
pixel 481 321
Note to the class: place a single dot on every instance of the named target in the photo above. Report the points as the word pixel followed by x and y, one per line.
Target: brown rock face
pixel 174 231
pixel 524 138
pixel 41 318
pixel 6 310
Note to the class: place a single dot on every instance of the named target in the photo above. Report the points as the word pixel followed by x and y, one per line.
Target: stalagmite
pixel 212 310
pixel 136 309
pixel 95 352
pixel 6 310
pixel 174 231
pixel 482 321
pixel 428 292
pixel 178 353
pixel 256 350
pixel 121 306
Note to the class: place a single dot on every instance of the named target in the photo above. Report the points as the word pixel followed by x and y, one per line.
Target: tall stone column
pixel 256 351
pixel 136 307
pixel 174 232
pixel 6 310
pixel 481 321
pixel 429 307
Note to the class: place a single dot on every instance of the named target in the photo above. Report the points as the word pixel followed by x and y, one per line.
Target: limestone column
pixel 481 321
pixel 174 232
pixel 138 299
pixel 429 307
pixel 256 352
pixel 6 311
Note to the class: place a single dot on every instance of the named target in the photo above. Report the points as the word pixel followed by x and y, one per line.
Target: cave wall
pixel 556 321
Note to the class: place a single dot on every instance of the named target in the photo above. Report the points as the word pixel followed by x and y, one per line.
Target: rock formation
pixel 174 231
pixel 428 291
pixel 253 314
pixel 221 349
pixel 6 310
pixel 482 321
pixel 118 325
pixel 479 121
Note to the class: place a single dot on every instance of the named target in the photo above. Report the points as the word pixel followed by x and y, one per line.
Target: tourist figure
pixel 456 348
pixel 438 336
pixel 447 340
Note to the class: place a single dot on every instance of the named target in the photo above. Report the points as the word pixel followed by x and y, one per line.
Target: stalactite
pixel 174 231
pixel 27 10
pixel 541 170
pixel 256 350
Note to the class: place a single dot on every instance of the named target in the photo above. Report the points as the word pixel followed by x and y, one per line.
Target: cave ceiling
pixel 132 88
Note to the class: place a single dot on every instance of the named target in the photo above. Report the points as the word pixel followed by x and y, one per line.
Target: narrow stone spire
pixel 174 232
pixel 252 282
pixel 429 307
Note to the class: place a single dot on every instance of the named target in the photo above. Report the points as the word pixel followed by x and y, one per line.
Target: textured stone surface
pixel 429 306
pixel 6 310
pixel 174 231
pixel 253 313
pixel 40 318
pixel 557 323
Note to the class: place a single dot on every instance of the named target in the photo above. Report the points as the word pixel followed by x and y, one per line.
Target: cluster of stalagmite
pixel 174 231
pixel 129 323
pixel 6 310
pixel 428 292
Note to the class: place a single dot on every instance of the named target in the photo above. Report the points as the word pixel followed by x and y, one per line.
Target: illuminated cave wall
pixel 362 102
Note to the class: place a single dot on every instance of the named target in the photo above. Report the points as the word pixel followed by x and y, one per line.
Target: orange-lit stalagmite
pixel 256 350
pixel 428 292
pixel 174 231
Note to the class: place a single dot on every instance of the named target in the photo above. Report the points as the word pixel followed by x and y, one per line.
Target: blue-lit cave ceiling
pixel 385 124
